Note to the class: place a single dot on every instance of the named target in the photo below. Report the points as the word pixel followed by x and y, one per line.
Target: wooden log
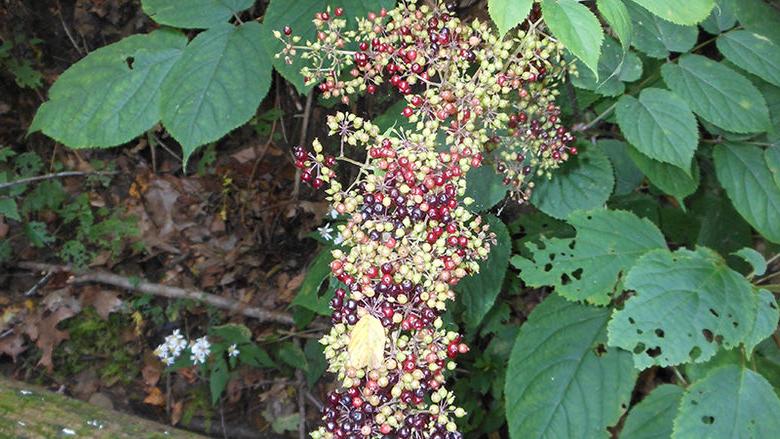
pixel 28 411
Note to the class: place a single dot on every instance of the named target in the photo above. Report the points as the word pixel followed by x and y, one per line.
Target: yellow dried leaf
pixel 367 343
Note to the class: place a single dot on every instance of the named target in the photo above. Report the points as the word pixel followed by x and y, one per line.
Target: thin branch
pixel 302 140
pixel 39 284
pixel 51 176
pixel 170 292
pixel 598 118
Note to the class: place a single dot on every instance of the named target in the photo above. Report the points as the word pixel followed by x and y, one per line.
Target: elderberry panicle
pixel 408 238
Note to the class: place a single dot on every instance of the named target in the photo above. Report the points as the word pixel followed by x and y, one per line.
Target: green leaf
pixel 37 234
pixel 315 358
pixel 193 14
pixel 685 301
pixel 627 175
pixel 508 13
pixel 591 265
pixel 765 323
pixel 657 37
pixel 585 181
pixel 718 94
pixel 617 16
pixel 772 158
pixel 485 186
pixel 660 125
pixel 293 356
pixel 652 418
pixel 532 227
pixel 749 183
pixel 730 402
pixel 232 333
pixel 216 86
pixel 113 94
pixel 308 295
pixel 670 179
pixel 615 67
pixel 755 53
pixel 255 356
pixel 722 228
pixel 754 258
pixel 218 378
pixel 561 381
pixel 759 16
pixel 8 209
pixel 577 27
pixel 697 371
pixel 723 17
pixel 478 292
pixel 684 12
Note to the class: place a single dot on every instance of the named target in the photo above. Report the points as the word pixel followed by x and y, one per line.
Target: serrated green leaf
pixel 478 292
pixel 216 86
pixel 749 183
pixel 591 265
pixel 486 187
pixel 759 16
pixel 723 17
pixel 532 227
pixel 617 16
pixel 585 181
pixel 722 228
pixel 718 94
pixel 765 322
pixel 627 175
pixel 669 178
pixel 615 67
pixel 113 94
pixel 754 258
pixel 8 208
pixel 755 53
pixel 697 371
pixel 657 37
pixel 730 402
pixel 684 302
pixel 684 12
pixel 660 125
pixel 652 418
pixel 577 27
pixel 193 14
pixel 218 378
pixel 37 233
pixel 507 14
pixel 308 295
pixel 772 158
pixel 560 381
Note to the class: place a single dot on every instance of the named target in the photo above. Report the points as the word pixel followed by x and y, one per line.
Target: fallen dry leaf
pixel 177 409
pixel 151 371
pixel 104 301
pixel 12 345
pixel 154 396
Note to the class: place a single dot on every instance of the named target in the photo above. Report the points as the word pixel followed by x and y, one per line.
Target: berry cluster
pixel 409 237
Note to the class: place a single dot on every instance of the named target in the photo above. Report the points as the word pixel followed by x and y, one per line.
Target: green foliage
pixel 196 14
pixel 653 416
pixel 657 37
pixel 577 27
pixel 686 12
pixel 507 14
pixel 615 67
pixel 616 15
pixel 669 178
pixel 753 52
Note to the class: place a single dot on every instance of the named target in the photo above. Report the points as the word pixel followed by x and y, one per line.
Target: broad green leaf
pixel 697 371
pixel 292 355
pixel 772 158
pixel 478 292
pixel 670 179
pixel 617 16
pixel 718 94
pixel 193 14
pixel 533 226
pixel 759 16
pixel 591 265
pixel 255 356
pixel 8 208
pixel 308 295
pixel 684 12
pixel 749 183
pixel 722 228
pixel 652 418
pixel 755 53
pixel 217 85
pixel 485 186
pixel 112 95
pixel 615 67
pixel 684 302
pixel 585 181
pixel 561 382
pixel 316 360
pixel 37 233
pixel 754 258
pixel 507 14
pixel 232 333
pixel 723 17
pixel 577 27
pixel 730 402
pixel 660 125
pixel 765 322
pixel 627 175
pixel 657 37
pixel 218 378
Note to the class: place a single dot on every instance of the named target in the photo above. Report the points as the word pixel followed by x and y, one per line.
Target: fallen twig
pixel 170 292
pixel 51 176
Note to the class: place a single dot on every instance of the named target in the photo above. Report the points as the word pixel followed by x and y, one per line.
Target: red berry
pixel 339 12
pixel 287 30
pixel 407 112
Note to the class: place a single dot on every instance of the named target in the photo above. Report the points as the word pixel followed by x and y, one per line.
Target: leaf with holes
pixel 193 14
pixel 533 226
pixel 507 14
pixel 478 292
pixel 685 12
pixel 730 402
pixel 718 94
pixel 669 178
pixel 686 302
pixel 112 95
pixel 591 265
pixel 577 27
pixel 660 125
pixel 753 52
pixel 749 183
pixel 652 418
pixel 561 381
pixel 585 181
pixel 657 37
pixel 216 86
pixel 765 322
pixel 754 258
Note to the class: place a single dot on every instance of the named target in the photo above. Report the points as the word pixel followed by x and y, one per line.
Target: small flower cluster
pixel 175 344
pixel 409 238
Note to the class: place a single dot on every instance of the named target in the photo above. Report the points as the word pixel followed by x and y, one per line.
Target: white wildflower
pixel 200 350
pixel 339 239
pixel 326 232
pixel 333 213
pixel 233 351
